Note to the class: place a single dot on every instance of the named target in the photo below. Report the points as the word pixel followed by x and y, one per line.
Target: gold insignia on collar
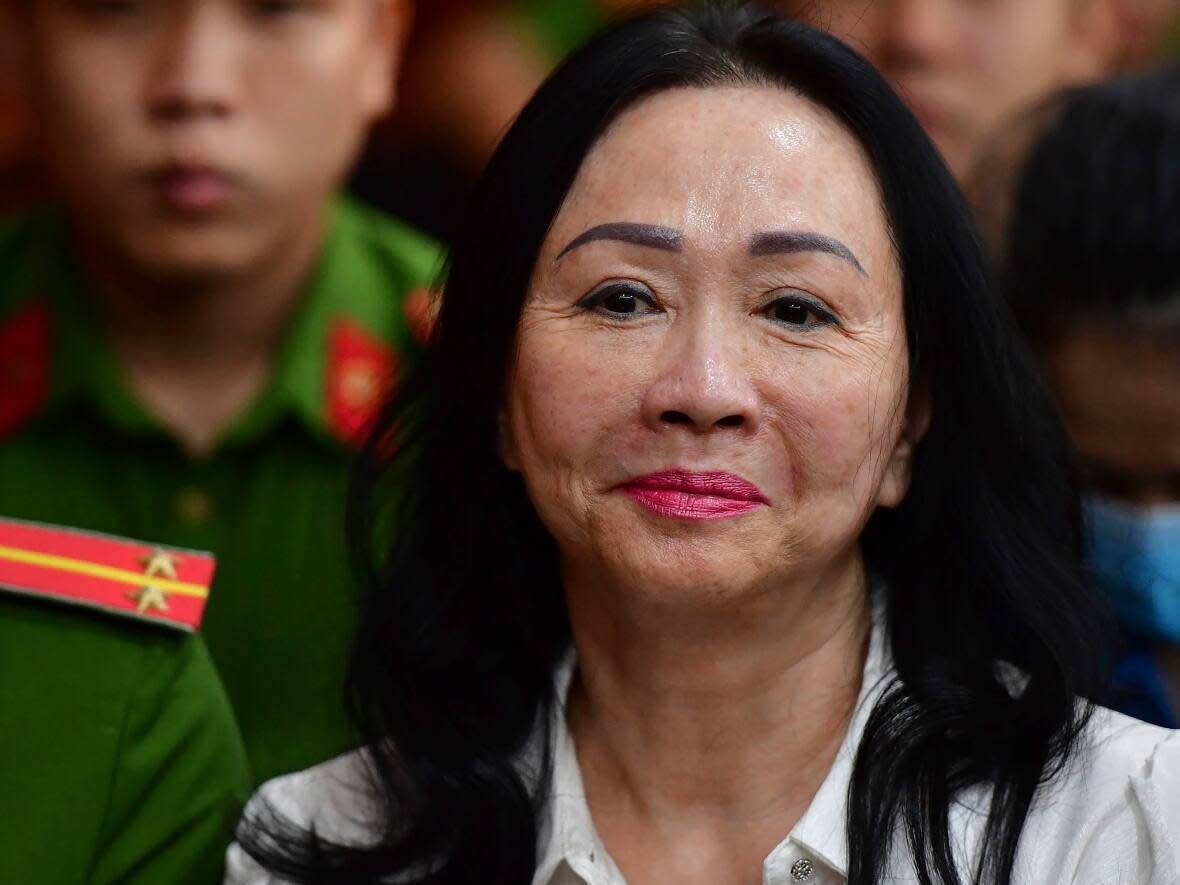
pixel 157 564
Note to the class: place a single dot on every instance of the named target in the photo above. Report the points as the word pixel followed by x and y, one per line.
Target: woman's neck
pixel 703 737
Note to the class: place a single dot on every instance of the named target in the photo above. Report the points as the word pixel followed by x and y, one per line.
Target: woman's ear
pixel 896 480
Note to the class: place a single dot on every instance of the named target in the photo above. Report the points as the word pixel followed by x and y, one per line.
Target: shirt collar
pixel 568 838
pixel 569 843
pixel 822 830
pixel 347 289
pixel 83 366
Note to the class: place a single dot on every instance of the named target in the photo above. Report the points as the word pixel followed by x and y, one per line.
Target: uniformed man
pixel 195 334
pixel 119 757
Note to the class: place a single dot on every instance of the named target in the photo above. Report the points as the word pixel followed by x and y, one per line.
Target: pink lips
pixel 682 494
pixel 193 188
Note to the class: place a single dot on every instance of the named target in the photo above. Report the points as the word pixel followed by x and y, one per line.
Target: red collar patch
pixel 360 375
pixel 24 366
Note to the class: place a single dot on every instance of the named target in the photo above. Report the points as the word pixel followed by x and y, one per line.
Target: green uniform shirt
pixel 268 502
pixel 119 757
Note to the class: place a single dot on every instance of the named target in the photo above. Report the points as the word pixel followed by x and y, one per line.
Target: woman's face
pixel 709 393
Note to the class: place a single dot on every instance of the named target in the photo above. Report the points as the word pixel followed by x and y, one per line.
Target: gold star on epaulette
pixel 158 564
pixel 150 598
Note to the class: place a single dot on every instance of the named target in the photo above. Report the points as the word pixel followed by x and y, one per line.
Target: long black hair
pixel 466 620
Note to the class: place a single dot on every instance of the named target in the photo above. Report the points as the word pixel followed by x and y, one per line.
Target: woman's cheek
pixel 826 423
pixel 561 402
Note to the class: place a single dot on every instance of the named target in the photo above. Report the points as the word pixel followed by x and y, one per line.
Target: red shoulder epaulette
pixel 360 374
pixel 24 366
pixel 120 576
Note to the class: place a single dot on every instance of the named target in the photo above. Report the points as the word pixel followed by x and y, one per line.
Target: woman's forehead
pixel 721 165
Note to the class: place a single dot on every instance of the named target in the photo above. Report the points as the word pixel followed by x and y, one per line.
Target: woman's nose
pixel 702 385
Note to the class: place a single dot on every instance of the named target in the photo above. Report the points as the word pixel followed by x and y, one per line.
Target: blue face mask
pixel 1135 556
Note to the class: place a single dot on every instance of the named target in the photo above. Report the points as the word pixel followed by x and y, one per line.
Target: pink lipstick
pixel 683 494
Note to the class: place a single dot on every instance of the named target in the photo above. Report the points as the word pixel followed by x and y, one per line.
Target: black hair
pixel 466 621
pixel 1094 226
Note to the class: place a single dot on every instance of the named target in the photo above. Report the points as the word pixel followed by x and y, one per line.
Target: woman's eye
pixel 620 300
pixel 802 313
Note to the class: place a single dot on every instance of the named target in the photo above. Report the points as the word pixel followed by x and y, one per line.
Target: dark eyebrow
pixel 651 235
pixel 785 241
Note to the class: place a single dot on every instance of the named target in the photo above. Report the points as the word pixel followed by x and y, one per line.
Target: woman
pixel 1092 261
pixel 719 393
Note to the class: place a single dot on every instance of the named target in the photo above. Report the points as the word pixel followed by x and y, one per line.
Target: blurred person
pixel 733 556
pixel 966 66
pixel 1146 31
pixel 197 330
pixel 471 66
pixel 477 69
pixel 1091 258
pixel 20 179
pixel 120 760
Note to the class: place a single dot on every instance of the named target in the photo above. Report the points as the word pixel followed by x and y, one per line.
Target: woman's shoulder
pixel 336 800
pixel 1113 813
pixel 1115 743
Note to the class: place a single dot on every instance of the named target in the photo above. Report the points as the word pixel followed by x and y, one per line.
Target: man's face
pixel 197 137
pixel 964 66
pixel 1119 390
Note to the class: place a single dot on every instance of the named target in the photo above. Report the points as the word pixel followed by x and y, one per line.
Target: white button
pixel 802 869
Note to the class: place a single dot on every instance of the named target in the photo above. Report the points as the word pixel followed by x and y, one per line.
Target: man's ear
pixel 391 28
pixel 1138 30
pixel 17 130
pixel 1097 40
pixel 506 441
pixel 896 480
pixel 14 37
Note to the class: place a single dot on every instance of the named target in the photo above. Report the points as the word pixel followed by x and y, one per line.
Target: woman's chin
pixel 679 575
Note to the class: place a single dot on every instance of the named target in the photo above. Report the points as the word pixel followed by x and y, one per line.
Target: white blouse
pixel 1112 817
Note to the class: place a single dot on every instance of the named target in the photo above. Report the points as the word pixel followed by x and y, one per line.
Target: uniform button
pixel 802 869
pixel 193 506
